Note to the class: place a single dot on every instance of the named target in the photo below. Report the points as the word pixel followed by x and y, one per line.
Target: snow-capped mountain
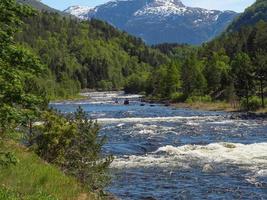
pixel 159 21
pixel 79 11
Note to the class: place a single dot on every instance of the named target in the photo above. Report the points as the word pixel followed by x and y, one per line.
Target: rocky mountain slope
pixel 160 21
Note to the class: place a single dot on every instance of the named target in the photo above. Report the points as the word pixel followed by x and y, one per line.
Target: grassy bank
pixel 33 179
pixel 215 106
pixel 209 106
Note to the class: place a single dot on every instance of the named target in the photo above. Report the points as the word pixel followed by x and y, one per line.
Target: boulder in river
pixel 126 102
pixel 207 168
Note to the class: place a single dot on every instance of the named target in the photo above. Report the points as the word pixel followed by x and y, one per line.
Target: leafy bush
pixel 73 144
pixel 177 97
pixel 7 159
pixel 135 84
pixel 254 103
pixel 203 99
pixel 105 85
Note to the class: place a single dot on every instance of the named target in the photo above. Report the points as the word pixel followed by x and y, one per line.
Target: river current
pixel 165 153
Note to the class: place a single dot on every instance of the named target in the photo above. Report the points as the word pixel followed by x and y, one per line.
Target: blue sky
pixel 236 5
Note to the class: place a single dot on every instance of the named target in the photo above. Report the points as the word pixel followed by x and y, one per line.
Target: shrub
pixel 105 85
pixel 73 144
pixel 7 159
pixel 254 103
pixel 177 97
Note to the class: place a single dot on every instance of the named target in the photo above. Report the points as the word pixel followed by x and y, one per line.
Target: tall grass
pixel 31 178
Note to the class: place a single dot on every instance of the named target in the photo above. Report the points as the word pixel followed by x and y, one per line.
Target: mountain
pixel 252 15
pixel 37 4
pixel 79 11
pixel 160 21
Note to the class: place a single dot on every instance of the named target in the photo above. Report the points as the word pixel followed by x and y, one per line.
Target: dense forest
pixel 80 54
pixel 230 68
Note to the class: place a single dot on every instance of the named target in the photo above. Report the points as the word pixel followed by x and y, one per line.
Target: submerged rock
pixel 207 168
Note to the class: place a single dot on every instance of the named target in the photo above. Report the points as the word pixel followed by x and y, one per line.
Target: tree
pixel 261 73
pixel 217 72
pixel 242 70
pixel 20 96
pixel 172 79
pixel 193 80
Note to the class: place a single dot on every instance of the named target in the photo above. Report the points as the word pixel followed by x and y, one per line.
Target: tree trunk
pixel 262 95
pixel 247 98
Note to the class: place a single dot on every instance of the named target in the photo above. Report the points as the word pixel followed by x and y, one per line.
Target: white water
pixel 250 156
pixel 154 119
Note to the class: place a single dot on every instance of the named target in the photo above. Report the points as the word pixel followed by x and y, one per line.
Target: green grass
pixel 211 106
pixel 33 179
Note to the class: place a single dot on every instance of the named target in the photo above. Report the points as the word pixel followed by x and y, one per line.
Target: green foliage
pixel 165 80
pixel 216 71
pixel 33 179
pixel 6 194
pixel 243 75
pixel 20 96
pixel 202 99
pixel 193 80
pixel 105 85
pixel 136 83
pixel 253 14
pixel 74 145
pixel 254 103
pixel 88 54
pixel 177 97
pixel 7 159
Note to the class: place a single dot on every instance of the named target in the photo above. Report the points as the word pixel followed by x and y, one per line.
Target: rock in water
pixel 207 168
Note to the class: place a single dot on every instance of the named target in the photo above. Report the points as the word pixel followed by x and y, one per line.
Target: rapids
pixel 166 153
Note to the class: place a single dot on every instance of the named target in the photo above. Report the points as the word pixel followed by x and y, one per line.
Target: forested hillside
pixel 232 67
pixel 95 55
pixel 40 6
pixel 85 54
pixel 254 13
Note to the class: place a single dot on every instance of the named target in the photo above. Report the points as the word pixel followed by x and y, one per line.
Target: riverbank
pixel 210 106
pixel 214 106
pixel 32 178
pixel 223 106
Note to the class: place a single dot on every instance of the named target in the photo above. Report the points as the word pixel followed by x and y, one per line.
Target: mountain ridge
pixel 160 21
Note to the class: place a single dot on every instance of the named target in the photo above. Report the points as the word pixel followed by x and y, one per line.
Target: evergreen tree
pixel 193 80
pixel 242 70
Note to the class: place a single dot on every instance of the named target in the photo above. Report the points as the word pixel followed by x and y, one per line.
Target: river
pixel 165 153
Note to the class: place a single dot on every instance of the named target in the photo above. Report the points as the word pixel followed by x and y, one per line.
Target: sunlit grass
pixel 32 178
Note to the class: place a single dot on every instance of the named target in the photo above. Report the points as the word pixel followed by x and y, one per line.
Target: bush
pixel 105 85
pixel 135 84
pixel 254 103
pixel 177 97
pixel 73 144
pixel 204 99
pixel 7 159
